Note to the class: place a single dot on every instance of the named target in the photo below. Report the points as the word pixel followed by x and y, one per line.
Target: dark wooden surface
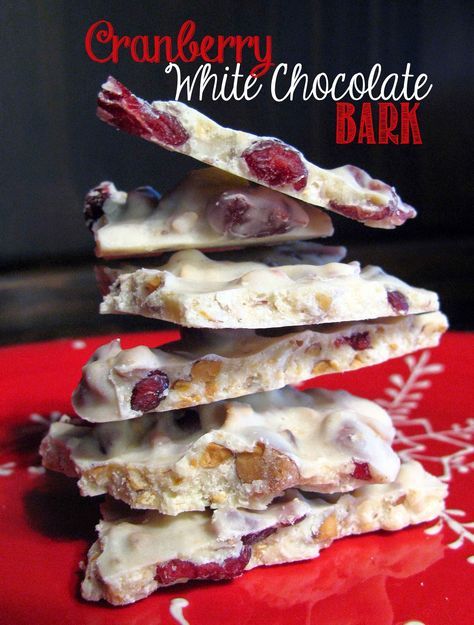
pixel 53 301
pixel 54 149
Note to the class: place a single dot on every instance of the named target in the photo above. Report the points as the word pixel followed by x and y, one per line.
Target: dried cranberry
pixel 276 163
pixel 361 471
pixel 118 107
pixel 358 341
pixel 358 212
pixel 250 539
pixel 359 175
pixel 94 202
pixel 148 392
pixel 181 570
pixel 397 301
pixel 255 212
pixel 395 212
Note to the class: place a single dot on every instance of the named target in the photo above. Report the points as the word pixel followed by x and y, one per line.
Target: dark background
pixel 54 149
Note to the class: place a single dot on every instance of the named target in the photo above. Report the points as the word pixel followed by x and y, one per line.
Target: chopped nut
pixel 213 456
pixel 181 386
pixel 175 478
pixel 357 361
pixel 399 499
pixel 189 397
pixel 415 501
pixel 259 549
pixel 267 465
pixel 136 480
pixel 249 464
pixel 395 518
pixel 314 349
pixel 367 515
pixel 205 370
pixel 322 367
pixel 98 475
pixel 154 283
pixel 171 309
pixel 211 389
pixel 206 315
pixel 112 596
pixel 219 498
pixel 146 500
pixel 324 301
pixel 328 528
pixel 185 222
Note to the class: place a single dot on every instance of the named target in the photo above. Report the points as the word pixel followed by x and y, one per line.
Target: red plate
pixel 421 574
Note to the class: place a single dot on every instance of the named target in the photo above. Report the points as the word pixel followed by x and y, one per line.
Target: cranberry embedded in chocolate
pixel 94 202
pixel 394 211
pixel 251 539
pixel 117 106
pixel 358 341
pixel 397 301
pixel 181 570
pixel 148 392
pixel 361 471
pixel 373 213
pixel 276 164
pixel 255 212
pixel 359 175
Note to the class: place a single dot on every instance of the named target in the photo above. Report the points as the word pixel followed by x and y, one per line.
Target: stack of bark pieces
pixel 213 464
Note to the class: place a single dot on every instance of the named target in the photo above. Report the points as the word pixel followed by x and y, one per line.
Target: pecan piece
pixel 213 456
pixel 267 465
pixel 328 528
pixel 205 370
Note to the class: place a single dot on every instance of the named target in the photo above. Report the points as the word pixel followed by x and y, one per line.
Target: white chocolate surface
pixel 195 291
pixel 211 365
pixel 240 453
pixel 123 562
pixel 180 219
pixel 347 190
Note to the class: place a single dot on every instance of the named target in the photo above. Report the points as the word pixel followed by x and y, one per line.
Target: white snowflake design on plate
pixel 414 436
pixel 411 442
pixel 7 468
pixel 35 417
pixel 78 344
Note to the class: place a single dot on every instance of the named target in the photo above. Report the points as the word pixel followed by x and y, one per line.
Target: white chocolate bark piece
pixel 211 365
pixel 193 290
pixel 137 554
pixel 232 453
pixel 175 126
pixel 208 209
